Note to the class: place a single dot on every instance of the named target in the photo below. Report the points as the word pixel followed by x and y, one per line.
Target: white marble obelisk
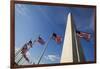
pixel 67 54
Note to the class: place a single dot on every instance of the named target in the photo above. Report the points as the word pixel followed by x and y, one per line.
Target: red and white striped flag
pixel 84 35
pixel 25 49
pixel 57 38
pixel 40 40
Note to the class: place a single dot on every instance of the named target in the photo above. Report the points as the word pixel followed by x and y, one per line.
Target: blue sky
pixel 34 20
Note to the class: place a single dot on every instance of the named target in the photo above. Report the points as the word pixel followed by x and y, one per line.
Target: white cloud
pixel 51 57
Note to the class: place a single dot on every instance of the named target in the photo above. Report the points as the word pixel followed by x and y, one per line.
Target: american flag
pixel 40 40
pixel 25 49
pixel 84 35
pixel 57 38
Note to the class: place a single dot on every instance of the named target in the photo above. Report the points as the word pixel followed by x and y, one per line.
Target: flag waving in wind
pixel 41 40
pixel 57 38
pixel 83 35
pixel 25 49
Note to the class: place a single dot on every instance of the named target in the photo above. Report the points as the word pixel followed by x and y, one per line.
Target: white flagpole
pixel 19 51
pixel 77 50
pixel 46 45
pixel 19 59
pixel 27 50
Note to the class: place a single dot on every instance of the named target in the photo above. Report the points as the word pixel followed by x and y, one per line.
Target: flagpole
pixel 23 62
pixel 46 45
pixel 19 59
pixel 77 50
pixel 28 50
pixel 18 52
